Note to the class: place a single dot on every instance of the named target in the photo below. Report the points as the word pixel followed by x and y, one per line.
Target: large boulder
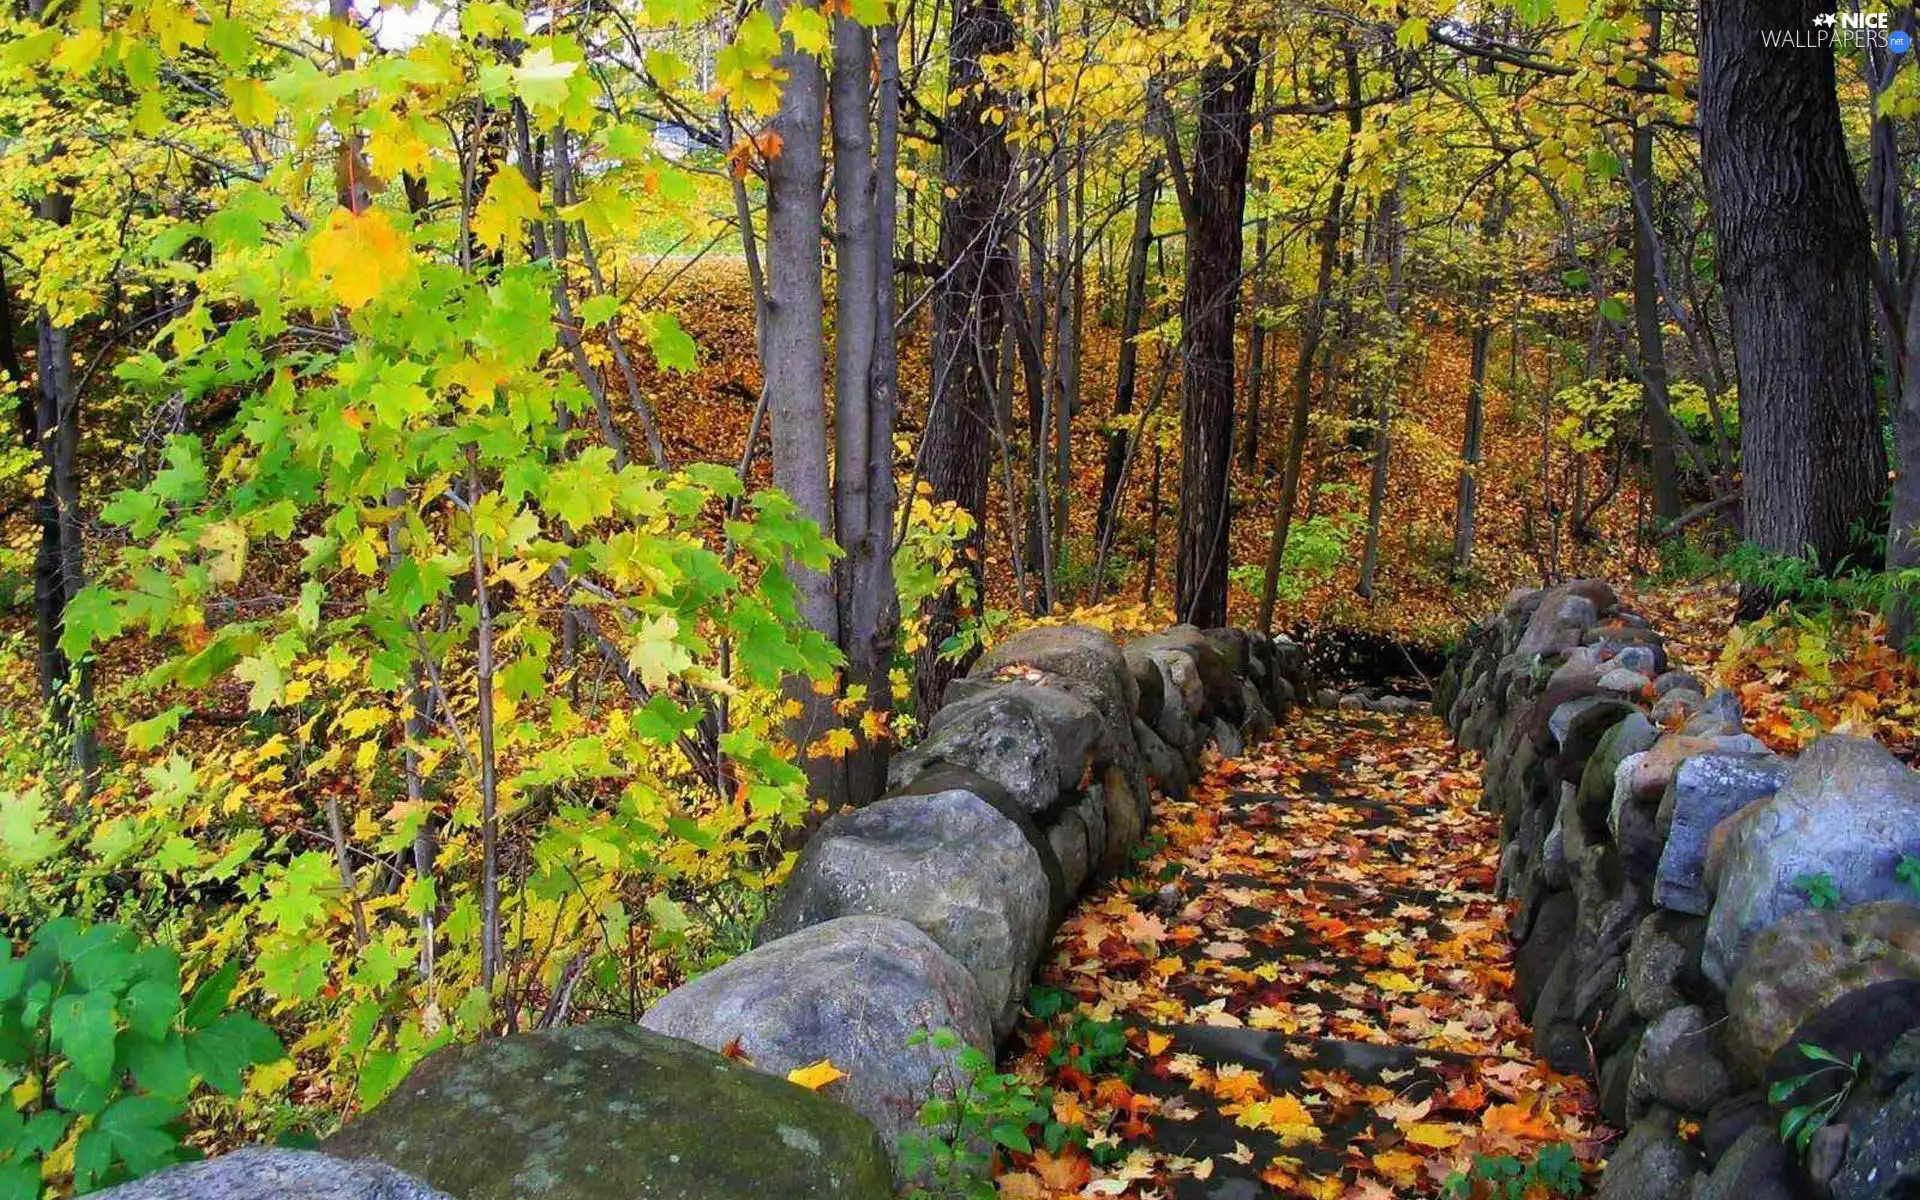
pixel 1843 980
pixel 1035 742
pixel 1706 790
pixel 1079 653
pixel 271 1173
pixel 610 1112
pixel 1848 811
pixel 1627 737
pixel 851 991
pixel 1164 764
pixel 1663 963
pixel 950 864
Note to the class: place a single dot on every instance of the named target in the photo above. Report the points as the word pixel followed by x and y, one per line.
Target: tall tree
pixel 971 296
pixel 1312 327
pixel 1793 253
pixel 794 365
pixel 1213 203
pixel 1646 305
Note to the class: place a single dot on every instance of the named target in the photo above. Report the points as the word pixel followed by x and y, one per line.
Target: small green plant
pixel 1802 1121
pixel 1505 1177
pixel 988 1114
pixel 1907 871
pixel 1820 890
pixel 1092 1047
pixel 96 1046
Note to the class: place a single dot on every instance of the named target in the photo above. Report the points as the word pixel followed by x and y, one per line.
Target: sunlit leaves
pixel 746 65
pixel 359 254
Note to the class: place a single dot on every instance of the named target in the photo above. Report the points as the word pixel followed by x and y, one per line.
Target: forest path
pixel 1314 980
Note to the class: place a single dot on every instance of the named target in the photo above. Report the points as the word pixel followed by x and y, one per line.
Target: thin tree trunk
pixel 1646 307
pixel 1127 369
pixel 1218 194
pixel 1389 223
pixel 1257 327
pixel 1312 327
pixel 1466 495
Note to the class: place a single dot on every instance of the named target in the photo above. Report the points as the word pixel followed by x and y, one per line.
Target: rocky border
pixel 1691 908
pixel 928 909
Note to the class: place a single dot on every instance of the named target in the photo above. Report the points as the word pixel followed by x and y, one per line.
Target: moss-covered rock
pixel 614 1112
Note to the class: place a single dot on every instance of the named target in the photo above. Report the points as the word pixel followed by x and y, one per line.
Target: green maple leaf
pixel 133 1130
pixel 82 1028
pixel 222 1051
pixel 672 348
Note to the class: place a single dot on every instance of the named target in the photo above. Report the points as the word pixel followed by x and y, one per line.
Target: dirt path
pixel 1313 979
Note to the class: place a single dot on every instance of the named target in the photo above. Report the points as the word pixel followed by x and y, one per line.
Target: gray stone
pixel 1228 739
pixel 1149 682
pixel 1651 1162
pixel 1085 655
pixel 1634 824
pixel 1035 742
pixel 1725 705
pixel 1755 1167
pixel 950 864
pixel 1826 1154
pixel 611 1112
pixel 1630 735
pixel 1126 821
pixel 1883 1159
pixel 1676 705
pixel 1848 811
pixel 1663 962
pixel 1673 680
pixel 1843 980
pixel 1068 837
pixel 1706 789
pixel 1616 1072
pixel 1624 681
pixel 1553 853
pixel 1258 722
pixel 1677 1066
pixel 852 991
pixel 1164 764
pixel 1730 1119
pixel 271 1173
pixel 1557 624
pixel 1220 685
pixel 1636 656
pixel 1535 959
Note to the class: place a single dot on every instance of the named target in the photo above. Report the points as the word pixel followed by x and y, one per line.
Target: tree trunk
pixel 1127 370
pixel 1792 245
pixel 970 298
pixel 1392 247
pixel 1646 308
pixel 1218 190
pixel 1903 534
pixel 795 364
pixel 1466 496
pixel 1311 329
pixel 863 183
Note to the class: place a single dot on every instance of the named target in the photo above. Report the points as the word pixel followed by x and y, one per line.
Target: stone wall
pixel 1691 909
pixel 926 910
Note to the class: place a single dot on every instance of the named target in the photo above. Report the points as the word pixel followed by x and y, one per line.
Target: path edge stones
pixel 1667 942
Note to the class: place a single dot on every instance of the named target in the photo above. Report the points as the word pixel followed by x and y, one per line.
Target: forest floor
pixel 1313 978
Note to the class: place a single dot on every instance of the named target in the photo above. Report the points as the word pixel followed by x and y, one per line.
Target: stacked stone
pixel 1675 937
pixel 926 910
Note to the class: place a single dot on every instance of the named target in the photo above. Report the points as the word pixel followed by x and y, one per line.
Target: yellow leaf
pixel 1392 981
pixel 817 1076
pixel 509 203
pixel 252 104
pixel 1437 1137
pixel 359 254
